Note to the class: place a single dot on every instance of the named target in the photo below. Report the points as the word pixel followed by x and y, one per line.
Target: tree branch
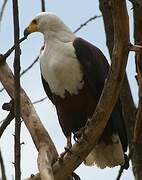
pixel 17 109
pixel 126 98
pixel 86 22
pixel 2 167
pixel 13 48
pixel 43 9
pixel 137 146
pixel 2 9
pixel 7 121
pixel 136 48
pixel 40 100
pixel 30 117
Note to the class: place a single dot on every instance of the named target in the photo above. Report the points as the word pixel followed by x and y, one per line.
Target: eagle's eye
pixel 34 21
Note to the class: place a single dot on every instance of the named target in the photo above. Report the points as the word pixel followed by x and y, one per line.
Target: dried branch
pixel 86 22
pixel 122 167
pixel 17 108
pixel 137 146
pixel 126 98
pixel 40 100
pixel 2 9
pixel 2 89
pixel 136 48
pixel 43 9
pixel 44 164
pixel 7 121
pixel 25 70
pixel 13 47
pixel 2 167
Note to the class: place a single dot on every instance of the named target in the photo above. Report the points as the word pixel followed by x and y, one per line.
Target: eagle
pixel 73 73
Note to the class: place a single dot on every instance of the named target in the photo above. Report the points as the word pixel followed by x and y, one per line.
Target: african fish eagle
pixel 73 74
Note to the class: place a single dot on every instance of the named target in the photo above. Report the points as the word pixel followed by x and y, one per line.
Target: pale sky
pixel 73 13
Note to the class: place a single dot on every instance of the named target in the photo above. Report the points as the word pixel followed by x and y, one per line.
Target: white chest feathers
pixel 61 69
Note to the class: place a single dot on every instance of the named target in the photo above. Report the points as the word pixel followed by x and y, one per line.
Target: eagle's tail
pixel 106 155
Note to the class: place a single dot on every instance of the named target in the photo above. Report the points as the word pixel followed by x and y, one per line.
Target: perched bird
pixel 73 74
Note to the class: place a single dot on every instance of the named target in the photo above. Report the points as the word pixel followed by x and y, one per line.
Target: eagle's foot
pixel 78 135
pixel 67 150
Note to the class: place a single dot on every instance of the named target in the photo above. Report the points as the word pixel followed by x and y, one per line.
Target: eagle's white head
pixel 50 25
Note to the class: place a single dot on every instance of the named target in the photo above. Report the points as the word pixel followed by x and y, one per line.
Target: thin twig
pixel 122 168
pixel 14 47
pixel 40 100
pixel 2 9
pixel 2 167
pixel 7 121
pixel 86 22
pixel 136 48
pixel 120 173
pixel 2 89
pixel 25 70
pixel 17 108
pixel 43 9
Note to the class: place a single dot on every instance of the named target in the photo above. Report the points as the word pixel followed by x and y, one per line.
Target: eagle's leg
pixel 78 134
pixel 67 149
pixel 69 144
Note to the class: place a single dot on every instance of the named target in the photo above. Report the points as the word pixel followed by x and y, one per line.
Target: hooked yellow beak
pixel 31 28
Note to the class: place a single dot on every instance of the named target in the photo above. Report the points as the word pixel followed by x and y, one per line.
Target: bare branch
pixel 44 164
pixel 43 9
pixel 2 9
pixel 17 109
pixel 2 167
pixel 7 121
pixel 86 22
pixel 137 139
pixel 136 48
pixel 39 134
pixel 126 97
pixel 40 100
pixel 25 70
pixel 13 47
pixel 122 167
pixel 2 89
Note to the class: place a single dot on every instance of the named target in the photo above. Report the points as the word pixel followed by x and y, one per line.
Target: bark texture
pixel 137 9
pixel 39 134
pixel 128 105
